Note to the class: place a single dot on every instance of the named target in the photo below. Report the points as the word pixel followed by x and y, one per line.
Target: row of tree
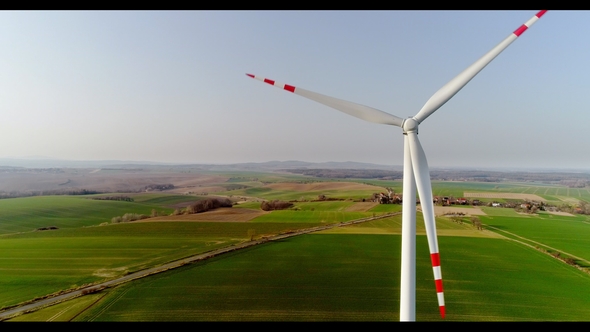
pixel 167 186
pixel 16 194
pixel 114 198
pixel 204 205
pixel 458 218
pixel 275 205
pixel 128 217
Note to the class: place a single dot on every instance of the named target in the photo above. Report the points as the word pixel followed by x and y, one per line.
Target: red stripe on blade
pixel 435 258
pixel 439 287
pixel 250 75
pixel 541 13
pixel 442 311
pixel 520 30
pixel 271 82
pixel 289 88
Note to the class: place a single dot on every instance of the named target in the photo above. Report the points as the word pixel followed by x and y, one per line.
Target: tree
pixel 476 222
pixel 457 219
pixel 275 205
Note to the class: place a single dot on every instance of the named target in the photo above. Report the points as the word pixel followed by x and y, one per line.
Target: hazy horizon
pixel 170 86
pixel 32 162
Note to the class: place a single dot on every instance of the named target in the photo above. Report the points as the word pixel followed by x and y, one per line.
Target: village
pixel 529 206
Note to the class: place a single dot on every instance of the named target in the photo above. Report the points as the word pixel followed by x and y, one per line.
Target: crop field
pixel 386 208
pixel 29 213
pixel 530 197
pixel 362 206
pixel 512 270
pixel 309 191
pixel 564 234
pixel 354 277
pixel 35 264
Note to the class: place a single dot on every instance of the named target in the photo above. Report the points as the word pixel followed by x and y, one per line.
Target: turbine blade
pixel 360 111
pixel 422 175
pixel 453 86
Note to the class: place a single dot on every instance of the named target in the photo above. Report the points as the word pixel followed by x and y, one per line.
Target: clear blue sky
pixel 170 86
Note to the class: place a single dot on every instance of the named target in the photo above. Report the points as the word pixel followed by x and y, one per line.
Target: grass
pixel 289 195
pixel 567 235
pixel 39 263
pixel 61 312
pixel 355 277
pixel 29 213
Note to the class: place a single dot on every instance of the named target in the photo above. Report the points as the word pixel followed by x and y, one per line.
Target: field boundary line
pixel 110 304
pixel 87 307
pixel 54 317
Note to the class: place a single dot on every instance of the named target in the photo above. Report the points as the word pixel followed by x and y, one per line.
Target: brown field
pixel 218 215
pixel 196 190
pixel 530 197
pixel 469 211
pixel 105 180
pixel 361 206
pixel 323 186
pixel 559 213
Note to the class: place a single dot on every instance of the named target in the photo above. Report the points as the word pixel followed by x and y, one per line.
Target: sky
pixel 170 86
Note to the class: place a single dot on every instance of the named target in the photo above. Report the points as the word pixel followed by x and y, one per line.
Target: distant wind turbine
pixel 416 171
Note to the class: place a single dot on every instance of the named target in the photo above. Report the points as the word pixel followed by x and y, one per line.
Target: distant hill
pixel 264 166
pixel 44 162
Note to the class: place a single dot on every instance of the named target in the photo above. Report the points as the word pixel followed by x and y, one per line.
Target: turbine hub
pixel 410 124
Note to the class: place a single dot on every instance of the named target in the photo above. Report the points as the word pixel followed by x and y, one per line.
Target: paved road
pixel 5 314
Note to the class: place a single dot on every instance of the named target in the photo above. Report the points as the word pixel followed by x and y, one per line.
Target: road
pixel 38 304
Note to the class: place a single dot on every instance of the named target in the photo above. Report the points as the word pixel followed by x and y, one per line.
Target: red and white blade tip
pixel 435 258
pixel 525 26
pixel 286 87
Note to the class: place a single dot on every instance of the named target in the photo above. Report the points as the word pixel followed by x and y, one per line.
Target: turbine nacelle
pixel 410 125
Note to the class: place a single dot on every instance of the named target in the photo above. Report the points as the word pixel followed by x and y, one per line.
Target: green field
pixel 564 234
pixel 504 273
pixel 29 213
pixel 354 277
pixel 35 264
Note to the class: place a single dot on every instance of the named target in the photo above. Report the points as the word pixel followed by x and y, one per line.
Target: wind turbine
pixel 416 174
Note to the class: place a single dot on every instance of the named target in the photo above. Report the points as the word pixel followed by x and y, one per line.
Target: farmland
pixel 512 270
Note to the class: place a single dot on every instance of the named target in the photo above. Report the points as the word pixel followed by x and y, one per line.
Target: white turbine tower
pixel 416 171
